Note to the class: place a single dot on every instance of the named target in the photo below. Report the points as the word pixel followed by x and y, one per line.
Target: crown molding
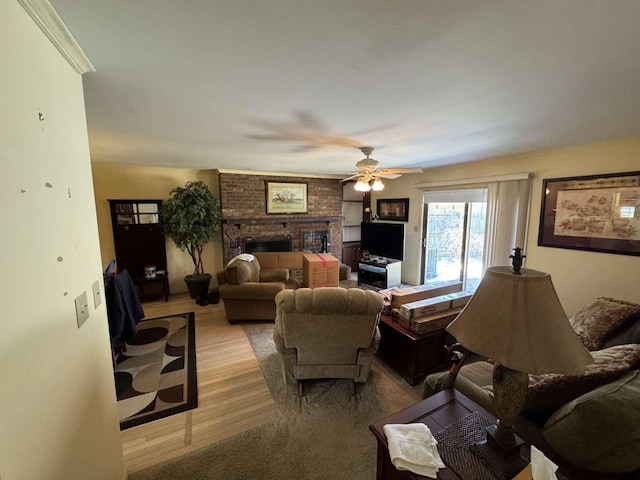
pixel 479 180
pixel 276 174
pixel 51 24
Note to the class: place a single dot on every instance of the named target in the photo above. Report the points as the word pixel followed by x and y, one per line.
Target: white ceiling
pixel 205 84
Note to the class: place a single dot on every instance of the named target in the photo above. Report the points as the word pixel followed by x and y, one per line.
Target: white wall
pixel 579 276
pixel 58 417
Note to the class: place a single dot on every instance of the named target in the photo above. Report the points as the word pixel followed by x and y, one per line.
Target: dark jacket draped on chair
pixel 124 309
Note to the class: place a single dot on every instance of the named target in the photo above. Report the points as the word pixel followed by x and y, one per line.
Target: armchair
pixel 326 333
pixel 248 291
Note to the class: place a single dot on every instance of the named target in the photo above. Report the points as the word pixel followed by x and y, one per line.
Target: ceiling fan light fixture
pixel 362 186
pixel 377 185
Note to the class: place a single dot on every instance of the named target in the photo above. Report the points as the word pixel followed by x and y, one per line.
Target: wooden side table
pixel 437 412
pixel 446 407
pixel 149 288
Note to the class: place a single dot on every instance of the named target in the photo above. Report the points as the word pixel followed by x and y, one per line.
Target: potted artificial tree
pixel 190 218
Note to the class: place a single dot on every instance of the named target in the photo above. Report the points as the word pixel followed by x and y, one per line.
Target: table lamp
pixel 515 319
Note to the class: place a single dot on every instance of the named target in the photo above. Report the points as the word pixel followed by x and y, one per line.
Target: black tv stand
pixel 378 273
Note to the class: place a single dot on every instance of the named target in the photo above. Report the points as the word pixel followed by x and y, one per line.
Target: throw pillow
pixel 629 332
pixel 594 322
pixel 549 392
pixel 601 429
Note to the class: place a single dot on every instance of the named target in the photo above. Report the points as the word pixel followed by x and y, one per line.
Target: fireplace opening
pixel 267 244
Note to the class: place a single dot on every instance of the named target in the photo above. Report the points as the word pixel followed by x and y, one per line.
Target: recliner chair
pixel 327 332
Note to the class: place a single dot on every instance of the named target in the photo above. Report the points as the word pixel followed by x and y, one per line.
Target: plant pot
pixel 198 285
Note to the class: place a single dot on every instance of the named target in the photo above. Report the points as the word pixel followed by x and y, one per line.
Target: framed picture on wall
pixel 286 198
pixel 393 209
pixel 599 213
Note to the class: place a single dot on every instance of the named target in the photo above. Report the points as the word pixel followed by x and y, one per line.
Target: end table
pixel 445 408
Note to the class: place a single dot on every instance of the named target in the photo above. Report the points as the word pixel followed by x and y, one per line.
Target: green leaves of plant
pixel 191 217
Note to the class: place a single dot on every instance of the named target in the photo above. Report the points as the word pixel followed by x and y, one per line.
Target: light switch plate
pixel 82 308
pixel 97 295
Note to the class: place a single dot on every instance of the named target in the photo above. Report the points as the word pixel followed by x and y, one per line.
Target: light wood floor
pixel 232 393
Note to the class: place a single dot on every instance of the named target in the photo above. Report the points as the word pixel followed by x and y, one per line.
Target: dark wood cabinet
pixel 139 241
pixel 411 354
pixel 351 253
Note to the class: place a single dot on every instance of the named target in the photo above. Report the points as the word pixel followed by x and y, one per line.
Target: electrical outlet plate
pixel 97 295
pixel 82 308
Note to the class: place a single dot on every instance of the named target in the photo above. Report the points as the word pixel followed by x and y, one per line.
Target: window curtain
pixel 507 219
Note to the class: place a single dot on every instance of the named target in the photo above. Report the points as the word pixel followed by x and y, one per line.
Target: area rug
pixel 322 435
pixel 156 374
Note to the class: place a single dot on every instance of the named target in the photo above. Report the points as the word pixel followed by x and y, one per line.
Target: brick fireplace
pixel 244 212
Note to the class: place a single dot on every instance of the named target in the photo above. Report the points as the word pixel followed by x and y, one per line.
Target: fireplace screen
pixel 266 244
pixel 316 241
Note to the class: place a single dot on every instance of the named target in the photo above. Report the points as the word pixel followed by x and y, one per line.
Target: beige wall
pixel 58 415
pixel 132 182
pixel 579 276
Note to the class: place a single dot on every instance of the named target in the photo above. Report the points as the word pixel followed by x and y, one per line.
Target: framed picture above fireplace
pixel 286 197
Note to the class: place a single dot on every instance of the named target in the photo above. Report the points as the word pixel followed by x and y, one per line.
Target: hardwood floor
pixel 232 393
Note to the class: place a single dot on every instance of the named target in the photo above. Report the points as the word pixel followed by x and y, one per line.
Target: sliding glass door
pixel 454 236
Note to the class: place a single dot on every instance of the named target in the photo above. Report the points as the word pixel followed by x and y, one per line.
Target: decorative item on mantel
pixel 516 319
pixel 235 243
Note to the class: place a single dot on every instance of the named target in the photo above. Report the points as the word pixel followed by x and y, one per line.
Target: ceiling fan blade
pixel 385 174
pixel 278 138
pixel 304 148
pixel 350 178
pixel 310 121
pixel 401 170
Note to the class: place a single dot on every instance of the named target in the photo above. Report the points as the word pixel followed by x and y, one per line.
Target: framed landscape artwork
pixel 393 209
pixel 286 198
pixel 599 213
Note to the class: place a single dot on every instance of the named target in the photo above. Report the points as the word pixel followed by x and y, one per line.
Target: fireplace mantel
pixel 283 220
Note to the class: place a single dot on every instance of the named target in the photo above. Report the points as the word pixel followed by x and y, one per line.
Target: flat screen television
pixel 383 239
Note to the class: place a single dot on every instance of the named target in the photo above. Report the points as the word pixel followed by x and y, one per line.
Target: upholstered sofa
pixel 590 421
pixel 327 332
pixel 291 261
pixel 248 291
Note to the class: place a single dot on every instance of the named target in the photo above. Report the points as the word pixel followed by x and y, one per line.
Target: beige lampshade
pixel 517 320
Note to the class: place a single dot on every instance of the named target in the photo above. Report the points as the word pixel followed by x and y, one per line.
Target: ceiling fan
pixel 369 175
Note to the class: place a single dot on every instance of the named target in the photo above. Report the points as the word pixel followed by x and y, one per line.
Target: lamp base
pixel 501 451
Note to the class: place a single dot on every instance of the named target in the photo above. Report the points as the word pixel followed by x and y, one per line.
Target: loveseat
pixel 291 261
pixel 329 332
pixel 591 421
pixel 248 291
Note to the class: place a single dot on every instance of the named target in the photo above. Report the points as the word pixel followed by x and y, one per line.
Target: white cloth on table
pixel 412 447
